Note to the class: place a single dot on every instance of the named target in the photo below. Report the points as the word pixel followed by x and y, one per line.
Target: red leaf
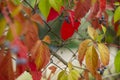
pixel 36 75
pixel 67 30
pixel 82 8
pixel 93 11
pixel 22 51
pixel 102 7
pixel 76 25
pixel 21 54
pixel 52 15
pixel 6 68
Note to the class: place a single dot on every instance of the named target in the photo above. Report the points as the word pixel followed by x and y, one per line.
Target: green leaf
pixel 17 2
pixel 117 62
pixel 117 14
pixel 62 75
pixel 56 4
pixel 104 29
pixel 100 37
pixel 44 7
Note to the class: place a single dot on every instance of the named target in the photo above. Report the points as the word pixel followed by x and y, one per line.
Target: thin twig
pixel 58 57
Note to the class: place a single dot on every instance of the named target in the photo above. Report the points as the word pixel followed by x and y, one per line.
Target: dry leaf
pixel 82 49
pixel 91 59
pixel 104 53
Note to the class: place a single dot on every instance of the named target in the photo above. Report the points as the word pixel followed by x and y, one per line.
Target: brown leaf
pixel 40 54
pixel 98 77
pixel 82 49
pixel 86 75
pixel 37 18
pixel 6 68
pixel 82 7
pixel 91 59
pixel 104 53
pixel 47 39
pixel 30 33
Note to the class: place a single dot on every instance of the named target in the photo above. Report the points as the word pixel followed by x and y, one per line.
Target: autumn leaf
pixel 47 39
pixel 104 53
pixel 30 34
pixel 37 18
pixel 21 51
pixel 91 60
pixel 93 11
pixel 92 33
pixel 82 50
pixel 52 15
pixel 82 7
pixel 102 7
pixel 6 67
pixel 98 76
pixel 67 29
pixel 73 75
pixel 62 75
pixel 40 54
pixel 86 74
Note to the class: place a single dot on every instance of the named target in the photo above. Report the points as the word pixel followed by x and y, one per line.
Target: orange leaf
pixel 47 39
pixel 31 34
pixel 37 18
pixel 40 54
pixel 104 53
pixel 98 77
pixel 6 68
pixel 82 50
pixel 86 75
pixel 91 58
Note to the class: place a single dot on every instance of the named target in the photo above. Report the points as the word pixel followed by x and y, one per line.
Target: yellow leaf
pixel 104 53
pixel 82 49
pixel 92 33
pixel 91 59
pixel 47 39
pixel 73 75
pixel 70 66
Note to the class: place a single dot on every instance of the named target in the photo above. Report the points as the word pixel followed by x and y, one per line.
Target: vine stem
pixel 111 75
